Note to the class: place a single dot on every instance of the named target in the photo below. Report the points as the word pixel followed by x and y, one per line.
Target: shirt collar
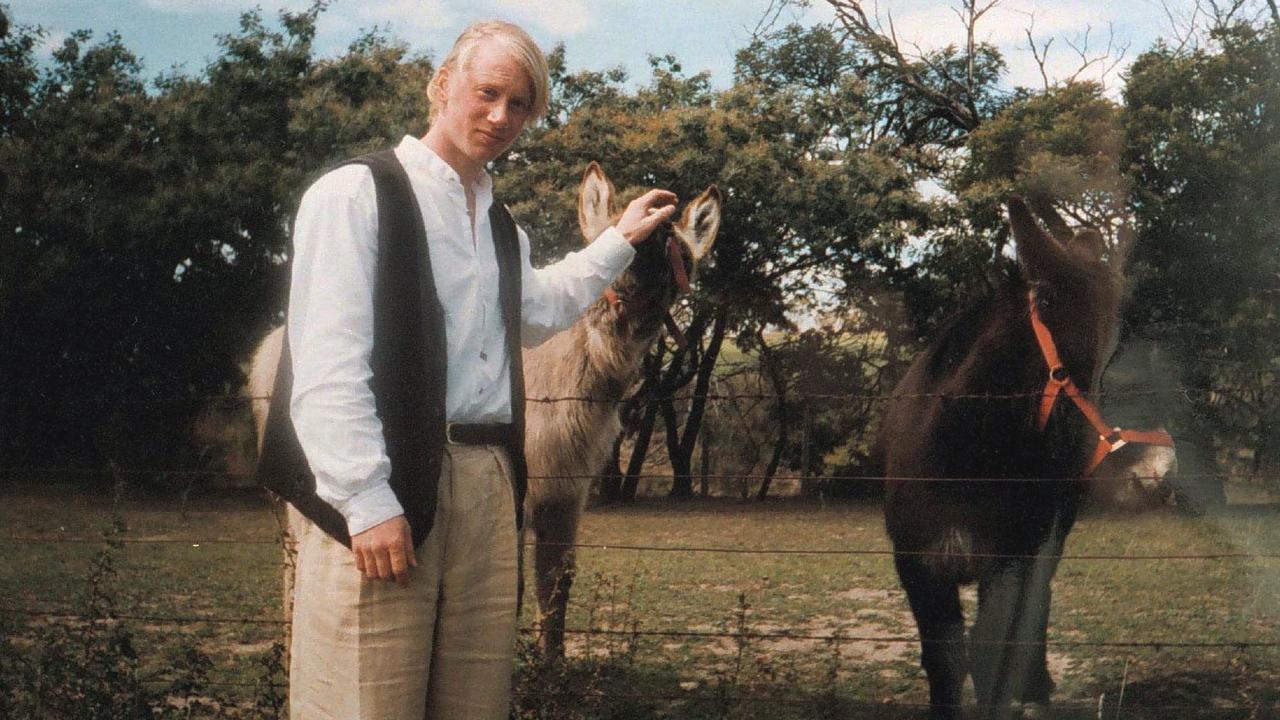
pixel 413 152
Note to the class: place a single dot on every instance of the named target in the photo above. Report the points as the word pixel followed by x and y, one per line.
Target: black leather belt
pixel 478 433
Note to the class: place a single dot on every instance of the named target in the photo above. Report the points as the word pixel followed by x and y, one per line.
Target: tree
pixel 1203 149
pixel 147 229
pixel 805 196
pixel 78 157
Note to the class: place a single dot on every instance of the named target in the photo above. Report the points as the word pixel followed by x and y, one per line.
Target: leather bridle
pixel 1110 438
pixel 676 253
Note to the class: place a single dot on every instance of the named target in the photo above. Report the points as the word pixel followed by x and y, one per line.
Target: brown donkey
pixel 576 381
pixel 988 421
pixel 595 362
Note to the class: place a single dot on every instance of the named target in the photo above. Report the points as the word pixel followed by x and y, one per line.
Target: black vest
pixel 408 361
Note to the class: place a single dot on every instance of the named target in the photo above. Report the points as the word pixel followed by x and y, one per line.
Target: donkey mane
pixel 957 336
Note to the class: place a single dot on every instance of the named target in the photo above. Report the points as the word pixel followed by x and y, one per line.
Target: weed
pixel 593 680
pixel 86 664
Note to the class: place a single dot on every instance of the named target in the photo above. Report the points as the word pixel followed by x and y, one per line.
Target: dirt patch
pixel 868 596
pixel 866 637
pixel 731 589
pixel 247 649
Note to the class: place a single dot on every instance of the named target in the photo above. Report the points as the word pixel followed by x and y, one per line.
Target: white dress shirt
pixel 331 318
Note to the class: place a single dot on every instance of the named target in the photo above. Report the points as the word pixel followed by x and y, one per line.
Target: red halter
pixel 675 256
pixel 1110 438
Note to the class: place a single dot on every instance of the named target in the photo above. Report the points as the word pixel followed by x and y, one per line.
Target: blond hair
pixel 515 41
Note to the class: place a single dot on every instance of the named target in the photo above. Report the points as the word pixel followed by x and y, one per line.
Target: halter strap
pixel 675 256
pixel 1110 438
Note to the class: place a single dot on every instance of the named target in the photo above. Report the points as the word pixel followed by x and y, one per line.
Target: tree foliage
pixel 146 227
pixel 808 207
pixel 146 222
pixel 1203 148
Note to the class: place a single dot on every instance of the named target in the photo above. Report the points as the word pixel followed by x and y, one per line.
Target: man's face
pixel 487 104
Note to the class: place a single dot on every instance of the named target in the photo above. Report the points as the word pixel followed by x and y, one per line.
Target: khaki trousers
pixel 441 648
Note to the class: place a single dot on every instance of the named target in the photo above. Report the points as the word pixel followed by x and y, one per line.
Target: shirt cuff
pixel 611 249
pixel 369 508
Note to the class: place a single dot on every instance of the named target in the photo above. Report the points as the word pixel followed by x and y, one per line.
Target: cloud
pixel 51 43
pixel 406 18
pixel 561 18
pixel 191 7
pixel 929 25
pixel 935 24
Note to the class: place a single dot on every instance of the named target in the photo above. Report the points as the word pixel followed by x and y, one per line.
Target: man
pixel 386 629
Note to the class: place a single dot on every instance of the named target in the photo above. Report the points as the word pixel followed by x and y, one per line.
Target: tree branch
pixel 886 50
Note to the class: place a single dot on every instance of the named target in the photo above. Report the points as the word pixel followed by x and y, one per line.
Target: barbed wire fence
pixel 739 635
pixel 1154 645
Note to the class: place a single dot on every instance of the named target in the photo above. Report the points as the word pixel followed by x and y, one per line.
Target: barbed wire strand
pixel 879 705
pixel 624 547
pixel 1158 645
pixel 796 700
pixel 133 541
pixel 227 475
pixel 921 553
pixel 796 397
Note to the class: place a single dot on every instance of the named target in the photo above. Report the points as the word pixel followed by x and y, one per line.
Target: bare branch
pixel 1205 17
pixel 1224 11
pixel 1109 58
pixel 1041 55
pixel 1185 30
pixel 885 47
pixel 969 14
pixel 769 18
pixel 1082 51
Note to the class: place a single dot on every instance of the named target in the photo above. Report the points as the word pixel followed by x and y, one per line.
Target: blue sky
pixel 599 34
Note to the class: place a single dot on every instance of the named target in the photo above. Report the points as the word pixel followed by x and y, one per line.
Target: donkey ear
pixel 1090 243
pixel 700 222
pixel 595 202
pixel 1043 207
pixel 1038 253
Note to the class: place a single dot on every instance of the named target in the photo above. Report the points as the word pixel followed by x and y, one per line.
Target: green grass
pixel 1222 600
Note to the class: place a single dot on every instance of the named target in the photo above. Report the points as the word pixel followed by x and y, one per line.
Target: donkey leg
pixel 1009 634
pixel 1039 687
pixel 935 603
pixel 555 526
pixel 1040 684
pixel 1001 598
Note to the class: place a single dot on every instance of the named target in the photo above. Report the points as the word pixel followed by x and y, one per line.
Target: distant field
pixel 189 571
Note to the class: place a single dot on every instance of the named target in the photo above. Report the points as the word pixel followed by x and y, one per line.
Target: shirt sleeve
pixel 330 322
pixel 556 295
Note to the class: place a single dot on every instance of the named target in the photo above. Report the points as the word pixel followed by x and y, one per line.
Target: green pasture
pixel 818 632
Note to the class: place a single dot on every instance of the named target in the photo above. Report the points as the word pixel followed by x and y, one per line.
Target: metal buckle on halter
pixel 1115 439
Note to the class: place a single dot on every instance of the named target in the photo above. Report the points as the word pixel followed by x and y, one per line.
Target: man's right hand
pixel 645 214
pixel 385 551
